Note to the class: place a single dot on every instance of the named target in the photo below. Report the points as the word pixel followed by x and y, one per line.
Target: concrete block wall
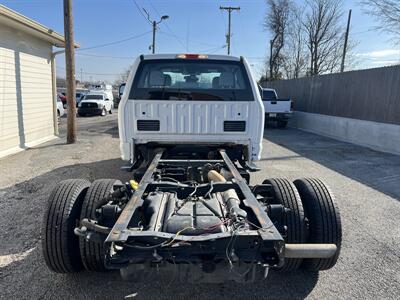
pixel 378 136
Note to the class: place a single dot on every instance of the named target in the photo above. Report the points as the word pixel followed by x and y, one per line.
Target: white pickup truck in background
pixel 276 109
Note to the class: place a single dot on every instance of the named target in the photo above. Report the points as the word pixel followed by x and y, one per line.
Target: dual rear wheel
pixel 312 217
pixel 71 201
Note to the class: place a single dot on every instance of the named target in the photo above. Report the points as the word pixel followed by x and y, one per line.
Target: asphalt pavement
pixel 366 184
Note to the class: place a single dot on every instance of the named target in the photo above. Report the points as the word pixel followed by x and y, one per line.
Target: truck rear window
pixel 268 95
pixel 194 79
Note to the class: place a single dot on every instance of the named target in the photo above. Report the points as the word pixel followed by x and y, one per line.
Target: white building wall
pixel 26 100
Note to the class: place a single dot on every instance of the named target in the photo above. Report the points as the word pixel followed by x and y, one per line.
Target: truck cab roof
pixel 190 56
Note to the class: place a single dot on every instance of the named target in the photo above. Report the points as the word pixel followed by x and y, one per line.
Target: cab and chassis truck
pixel 191 129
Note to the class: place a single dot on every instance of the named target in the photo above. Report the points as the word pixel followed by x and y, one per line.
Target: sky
pixel 194 26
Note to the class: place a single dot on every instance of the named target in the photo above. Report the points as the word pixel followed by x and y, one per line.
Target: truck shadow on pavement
pixel 24 274
pixel 378 170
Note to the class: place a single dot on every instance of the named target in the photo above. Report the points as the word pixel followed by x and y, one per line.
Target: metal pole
pixel 154 37
pixel 70 71
pixel 345 42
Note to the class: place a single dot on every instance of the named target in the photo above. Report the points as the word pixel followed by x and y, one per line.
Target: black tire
pixel 110 111
pixel 92 253
pixel 282 124
pixel 58 117
pixel 324 220
pixel 60 245
pixel 81 114
pixel 287 195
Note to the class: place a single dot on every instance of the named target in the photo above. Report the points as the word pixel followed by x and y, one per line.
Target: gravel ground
pixel 366 184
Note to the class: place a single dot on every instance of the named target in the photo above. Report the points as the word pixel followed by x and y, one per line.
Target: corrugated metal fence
pixel 372 94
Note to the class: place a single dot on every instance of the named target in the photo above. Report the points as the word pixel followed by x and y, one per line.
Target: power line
pixel 115 42
pixel 167 26
pixel 195 41
pixel 104 56
pixel 212 50
pixel 216 50
pixel 90 73
pixel 255 57
pixel 362 32
pixel 140 11
pixel 101 74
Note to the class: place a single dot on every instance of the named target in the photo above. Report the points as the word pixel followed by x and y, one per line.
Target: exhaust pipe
pixel 215 176
pixel 230 197
pixel 291 250
pixel 310 250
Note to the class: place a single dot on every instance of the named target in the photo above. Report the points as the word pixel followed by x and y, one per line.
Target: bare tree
pixel 323 35
pixel 295 56
pixel 123 77
pixel 276 23
pixel 387 13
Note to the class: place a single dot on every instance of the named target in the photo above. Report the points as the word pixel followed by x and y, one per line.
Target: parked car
pixel 95 103
pixel 60 108
pixel 63 99
pixel 276 109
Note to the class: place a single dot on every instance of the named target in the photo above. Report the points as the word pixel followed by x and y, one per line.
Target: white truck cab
pixel 95 103
pixel 276 109
pixel 193 104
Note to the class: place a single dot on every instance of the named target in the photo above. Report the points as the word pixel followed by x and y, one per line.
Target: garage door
pixel 26 109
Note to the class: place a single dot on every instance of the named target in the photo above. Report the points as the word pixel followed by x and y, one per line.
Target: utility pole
pixel 70 71
pixel 154 24
pixel 345 42
pixel 271 44
pixel 81 76
pixel 228 36
pixel 153 47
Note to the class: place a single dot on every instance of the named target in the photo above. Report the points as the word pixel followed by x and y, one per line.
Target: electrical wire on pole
pixel 154 24
pixel 172 33
pixel 115 42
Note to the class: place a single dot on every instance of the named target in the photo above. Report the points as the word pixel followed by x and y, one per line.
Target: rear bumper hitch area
pixel 193 273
